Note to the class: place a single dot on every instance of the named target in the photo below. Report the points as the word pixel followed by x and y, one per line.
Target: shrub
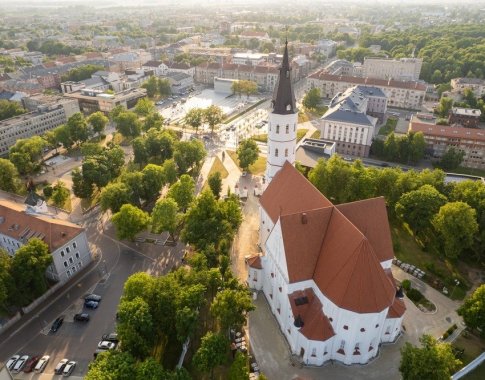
pixel 445 335
pixel 47 191
pixel 406 285
pixel 414 295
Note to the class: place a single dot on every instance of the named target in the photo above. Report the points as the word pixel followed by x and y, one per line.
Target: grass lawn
pixel 217 166
pixel 473 347
pixel 389 127
pixel 300 133
pixel 67 206
pixel 86 204
pixel 257 168
pixel 315 135
pixel 261 138
pixel 408 250
pixel 302 117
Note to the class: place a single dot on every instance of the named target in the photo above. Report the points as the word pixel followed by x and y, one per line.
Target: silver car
pixel 41 364
pixel 69 368
pixel 19 365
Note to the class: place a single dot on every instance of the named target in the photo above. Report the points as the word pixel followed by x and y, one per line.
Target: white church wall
pixel 255 278
pixel 386 264
pixel 392 328
pixel 265 227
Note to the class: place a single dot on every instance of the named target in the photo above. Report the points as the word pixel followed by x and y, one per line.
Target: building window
pixel 71 260
pixel 377 326
pixel 341 350
pixel 65 264
pixel 314 352
pixel 287 129
pixel 362 330
pixel 276 152
pixel 277 129
pixel 73 269
pixel 77 255
pixel 62 253
pixel 68 274
pixel 68 249
pixel 356 349
pixel 286 152
pixel 346 327
pixel 388 330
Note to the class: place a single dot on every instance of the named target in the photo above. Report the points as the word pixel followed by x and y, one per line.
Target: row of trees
pixel 448 217
pixel 9 109
pixel 408 149
pixel 157 86
pixel 81 73
pixel 246 87
pixel 469 101
pixel 212 115
pixel 22 276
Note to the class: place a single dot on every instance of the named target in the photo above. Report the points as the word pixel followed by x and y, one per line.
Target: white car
pixel 106 345
pixel 20 364
pixel 11 362
pixel 69 368
pixel 42 363
pixel 60 366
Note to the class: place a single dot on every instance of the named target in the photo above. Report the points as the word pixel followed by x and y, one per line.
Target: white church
pixel 325 270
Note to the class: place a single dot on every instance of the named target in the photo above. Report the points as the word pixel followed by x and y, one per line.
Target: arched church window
pixel 277 129
pixel 286 152
pixel 276 152
pixel 287 129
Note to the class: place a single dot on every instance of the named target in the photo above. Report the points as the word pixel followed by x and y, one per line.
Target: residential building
pixel 348 123
pixel 247 35
pixel 327 47
pixel 67 242
pixel 251 59
pixel 439 138
pixel 407 69
pixel 224 85
pixel 159 68
pixel 35 123
pixel 94 100
pixel 400 94
pixel 341 67
pixel 180 82
pixel 477 85
pixel 467 117
pixel 176 67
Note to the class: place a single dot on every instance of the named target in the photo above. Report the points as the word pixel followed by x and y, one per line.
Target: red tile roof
pixel 397 309
pixel 369 81
pixel 289 192
pixel 449 132
pixel 16 222
pixel 255 262
pixel 316 325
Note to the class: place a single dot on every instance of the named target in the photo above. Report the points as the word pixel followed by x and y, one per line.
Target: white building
pixel 327 47
pixel 252 59
pixel 407 69
pixel 30 124
pixel 477 85
pixel 325 270
pixel 67 242
pixel 400 94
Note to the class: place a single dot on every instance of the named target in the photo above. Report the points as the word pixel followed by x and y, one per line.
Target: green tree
pixel 312 98
pixel 164 87
pixel 186 323
pixel 247 153
pixel 213 115
pixel 129 221
pixel 6 279
pixel 456 225
pixel 230 307
pixel 145 107
pixel 9 176
pixel 194 118
pixel 80 187
pixel 98 122
pixel 445 106
pixel 151 85
pixel 239 368
pixel 150 369
pixel 153 181
pixel 63 136
pixel 134 181
pixel 26 153
pixel 9 109
pixel 153 120
pixel 183 192
pixel 211 353
pixel 473 310
pixel 81 73
pixel 28 270
pixel 417 208
pixel 127 124
pixel 112 364
pixel 165 217
pixel 170 171
pixel 91 149
pixel 215 183
pixel 60 194
pixel 135 327
pixel 113 196
pixel 451 159
pixel 188 155
pixel 78 128
pixel 139 150
pixel 433 361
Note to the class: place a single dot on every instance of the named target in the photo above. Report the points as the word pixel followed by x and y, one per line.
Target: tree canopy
pixel 129 221
pixel 473 310
pixel 247 153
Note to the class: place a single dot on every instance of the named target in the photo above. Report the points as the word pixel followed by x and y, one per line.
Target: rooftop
pixel 447 131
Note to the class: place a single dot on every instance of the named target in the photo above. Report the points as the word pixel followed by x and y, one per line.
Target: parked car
pixel 82 317
pixel 91 304
pixel 69 368
pixel 113 337
pixel 31 363
pixel 60 366
pixel 57 324
pixel 41 364
pixel 106 345
pixel 92 297
pixel 19 364
pixel 11 362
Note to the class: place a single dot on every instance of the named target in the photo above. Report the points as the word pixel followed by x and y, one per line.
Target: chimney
pixel 304 219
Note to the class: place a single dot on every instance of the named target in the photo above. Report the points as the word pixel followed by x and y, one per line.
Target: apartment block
pixel 407 69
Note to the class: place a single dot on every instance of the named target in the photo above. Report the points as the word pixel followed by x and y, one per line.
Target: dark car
pixel 82 317
pixel 91 304
pixel 92 297
pixel 57 324
pixel 30 364
pixel 113 337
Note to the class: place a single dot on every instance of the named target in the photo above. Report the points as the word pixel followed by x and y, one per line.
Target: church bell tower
pixel 282 122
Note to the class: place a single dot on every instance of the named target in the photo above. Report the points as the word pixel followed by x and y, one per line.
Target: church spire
pixel 283 97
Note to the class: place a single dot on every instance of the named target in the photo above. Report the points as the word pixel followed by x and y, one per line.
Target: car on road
pixel 81 317
pixel 60 367
pixel 19 364
pixel 57 324
pixel 92 297
pixel 69 368
pixel 11 362
pixel 91 304
pixel 31 363
pixel 113 337
pixel 41 364
pixel 106 345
